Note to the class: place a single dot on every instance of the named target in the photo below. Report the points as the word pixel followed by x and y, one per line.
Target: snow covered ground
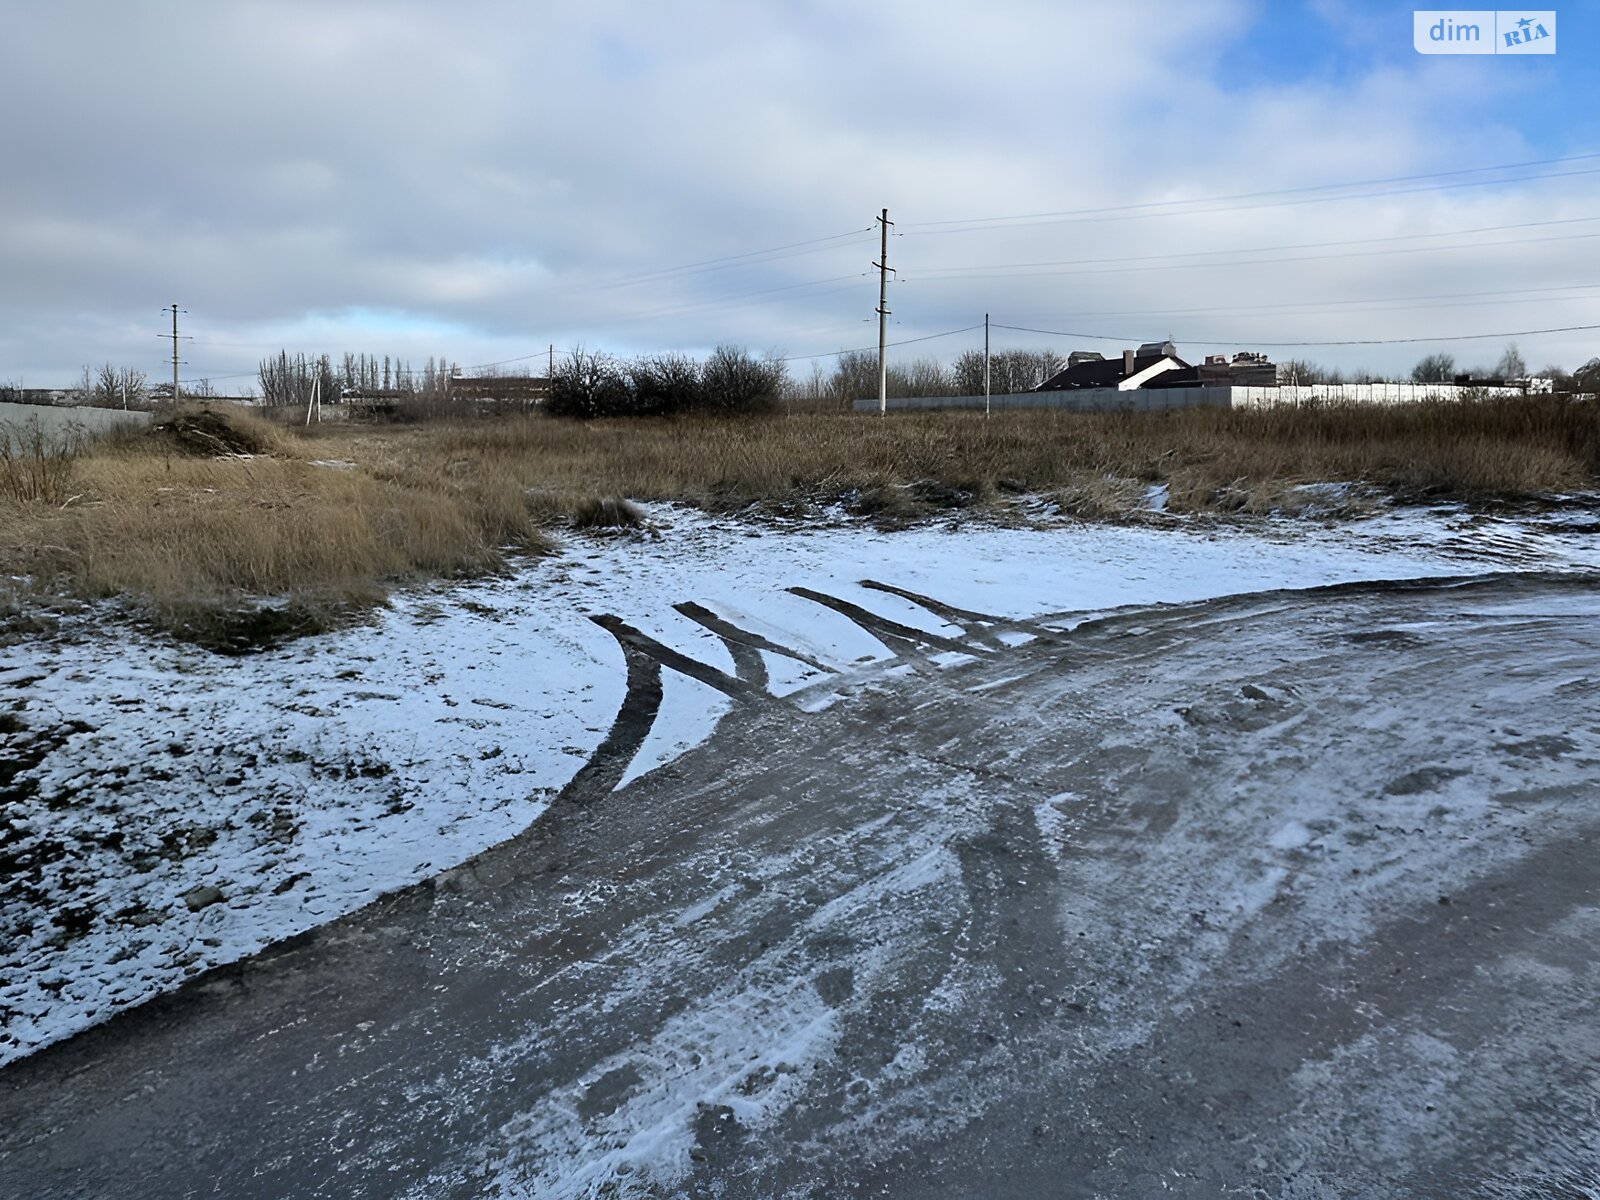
pixel 169 810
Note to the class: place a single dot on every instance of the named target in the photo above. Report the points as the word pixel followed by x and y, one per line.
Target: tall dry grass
pixel 188 535
pixel 35 462
pixel 204 513
pixel 1471 450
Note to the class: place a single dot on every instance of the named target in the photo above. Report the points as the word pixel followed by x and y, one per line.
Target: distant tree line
pixel 289 379
pixel 730 381
pixel 854 376
pixel 112 387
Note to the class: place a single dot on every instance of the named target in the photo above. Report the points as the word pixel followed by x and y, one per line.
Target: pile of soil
pixel 206 431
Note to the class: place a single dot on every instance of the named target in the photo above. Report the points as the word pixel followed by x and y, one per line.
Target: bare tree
pixel 286 381
pixel 967 373
pixel 1511 364
pixel 1434 368
pixel 930 377
pixel 589 383
pixel 120 387
pixel 1299 371
pixel 1021 370
pixel 813 388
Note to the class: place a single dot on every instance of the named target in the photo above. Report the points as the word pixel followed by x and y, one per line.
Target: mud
pixel 1013 927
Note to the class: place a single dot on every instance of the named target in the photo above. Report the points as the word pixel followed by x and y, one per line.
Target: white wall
pixel 1367 393
pixel 59 421
pixel 1076 400
pixel 1155 399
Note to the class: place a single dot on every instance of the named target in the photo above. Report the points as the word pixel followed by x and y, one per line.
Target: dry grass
pixel 191 539
pixel 35 463
pixel 607 512
pixel 1209 457
pixel 202 516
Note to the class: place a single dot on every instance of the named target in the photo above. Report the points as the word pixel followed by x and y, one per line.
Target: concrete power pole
pixel 986 364
pixel 174 352
pixel 883 315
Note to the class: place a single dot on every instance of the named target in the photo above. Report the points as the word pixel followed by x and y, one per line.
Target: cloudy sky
pixel 481 180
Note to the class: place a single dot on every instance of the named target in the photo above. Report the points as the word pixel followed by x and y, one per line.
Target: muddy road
pixel 1292 895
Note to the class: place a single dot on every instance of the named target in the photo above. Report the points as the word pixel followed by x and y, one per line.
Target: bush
pixel 665 384
pixel 35 463
pixel 590 383
pixel 732 382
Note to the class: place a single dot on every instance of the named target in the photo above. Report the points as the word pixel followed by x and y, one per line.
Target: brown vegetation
pixel 36 463
pixel 191 537
pixel 206 512
pixel 1208 457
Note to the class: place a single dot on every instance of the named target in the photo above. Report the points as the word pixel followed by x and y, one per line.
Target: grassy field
pixel 211 510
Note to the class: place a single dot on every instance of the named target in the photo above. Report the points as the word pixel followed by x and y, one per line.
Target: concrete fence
pixel 1078 400
pixel 1362 393
pixel 1160 399
pixel 62 422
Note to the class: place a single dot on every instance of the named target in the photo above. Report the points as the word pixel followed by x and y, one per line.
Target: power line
pixel 1463 337
pixel 1315 187
pixel 1397 237
pixel 732 300
pixel 863 349
pixel 1095 337
pixel 1243 340
pixel 1375 304
pixel 701 306
pixel 726 261
pixel 751 258
pixel 1220 264
pixel 1124 214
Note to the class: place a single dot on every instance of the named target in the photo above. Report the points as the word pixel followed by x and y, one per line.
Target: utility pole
pixel 986 365
pixel 174 351
pixel 883 315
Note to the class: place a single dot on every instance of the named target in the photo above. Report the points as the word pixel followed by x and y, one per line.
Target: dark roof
pixel 1105 372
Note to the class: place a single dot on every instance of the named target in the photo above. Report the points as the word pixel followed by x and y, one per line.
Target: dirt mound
pixel 211 431
pixel 607 512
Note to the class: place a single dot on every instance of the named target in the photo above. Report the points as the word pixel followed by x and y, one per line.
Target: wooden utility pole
pixel 883 315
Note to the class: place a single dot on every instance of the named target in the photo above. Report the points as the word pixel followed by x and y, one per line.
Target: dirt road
pixel 1294 895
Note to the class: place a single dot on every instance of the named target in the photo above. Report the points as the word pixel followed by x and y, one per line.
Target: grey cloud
pixel 399 175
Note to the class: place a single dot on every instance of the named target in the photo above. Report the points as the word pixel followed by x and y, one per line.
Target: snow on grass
pixel 187 810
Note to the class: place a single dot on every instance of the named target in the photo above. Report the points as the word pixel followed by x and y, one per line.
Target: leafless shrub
pixel 36 463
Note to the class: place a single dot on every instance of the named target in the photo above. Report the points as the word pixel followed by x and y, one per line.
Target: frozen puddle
pixel 164 810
